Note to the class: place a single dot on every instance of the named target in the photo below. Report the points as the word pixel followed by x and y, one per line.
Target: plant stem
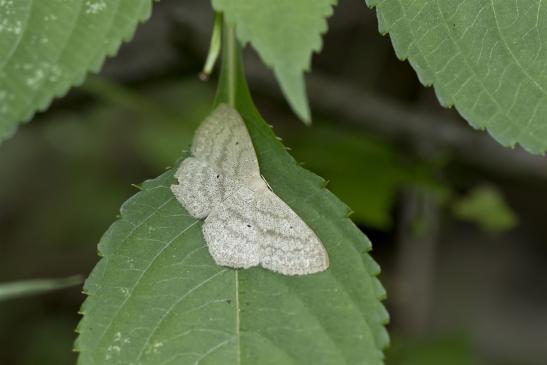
pixel 22 288
pixel 230 43
pixel 214 48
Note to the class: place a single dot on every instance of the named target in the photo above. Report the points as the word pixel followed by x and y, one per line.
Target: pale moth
pixel 246 224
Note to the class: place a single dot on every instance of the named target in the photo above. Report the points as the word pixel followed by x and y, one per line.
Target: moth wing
pixel 231 232
pixel 287 244
pixel 223 141
pixel 251 228
pixel 200 187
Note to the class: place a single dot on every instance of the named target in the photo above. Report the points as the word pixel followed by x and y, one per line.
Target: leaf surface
pixel 157 297
pixel 285 33
pixel 486 57
pixel 48 46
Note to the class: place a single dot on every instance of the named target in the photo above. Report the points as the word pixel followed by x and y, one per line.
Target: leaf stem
pixel 231 61
pixel 214 48
pixel 31 287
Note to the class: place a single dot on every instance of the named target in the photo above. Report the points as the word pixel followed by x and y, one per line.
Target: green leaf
pixel 284 33
pixel 48 46
pixel 486 57
pixel 157 297
pixel 485 206
pixel 32 287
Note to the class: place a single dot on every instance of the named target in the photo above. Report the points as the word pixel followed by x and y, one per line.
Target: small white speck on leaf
pixel 95 6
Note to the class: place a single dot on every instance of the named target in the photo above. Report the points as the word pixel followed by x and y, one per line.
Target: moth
pixel 246 223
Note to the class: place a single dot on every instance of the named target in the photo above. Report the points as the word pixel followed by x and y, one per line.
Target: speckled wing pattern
pixel 246 224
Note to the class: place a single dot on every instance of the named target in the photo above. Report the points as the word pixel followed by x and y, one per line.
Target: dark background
pixel 466 277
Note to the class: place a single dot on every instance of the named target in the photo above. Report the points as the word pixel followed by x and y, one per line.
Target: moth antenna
pixel 138 187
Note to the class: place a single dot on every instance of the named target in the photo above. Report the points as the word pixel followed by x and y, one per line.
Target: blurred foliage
pixel 364 172
pixel 39 329
pixel 452 349
pixel 23 288
pixel 485 206
pixel 165 117
pixel 50 342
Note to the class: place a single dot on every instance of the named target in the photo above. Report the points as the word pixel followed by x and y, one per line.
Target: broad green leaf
pixel 284 33
pixel 157 297
pixel 486 57
pixel 48 46
pixel 32 287
pixel 485 206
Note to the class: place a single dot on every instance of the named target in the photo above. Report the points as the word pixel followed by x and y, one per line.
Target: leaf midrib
pixel 238 329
